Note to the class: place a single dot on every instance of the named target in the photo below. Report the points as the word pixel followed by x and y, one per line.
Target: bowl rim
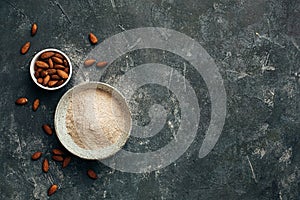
pixel 66 140
pixel 32 63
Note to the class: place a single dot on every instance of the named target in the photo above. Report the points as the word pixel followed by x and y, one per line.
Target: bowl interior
pixel 67 140
pixel 34 59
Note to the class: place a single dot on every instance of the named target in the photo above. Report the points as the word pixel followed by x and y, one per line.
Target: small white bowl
pixel 66 139
pixel 32 63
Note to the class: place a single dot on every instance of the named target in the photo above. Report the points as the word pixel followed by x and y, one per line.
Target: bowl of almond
pixel 50 69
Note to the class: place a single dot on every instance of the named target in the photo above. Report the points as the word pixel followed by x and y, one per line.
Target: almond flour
pixel 95 119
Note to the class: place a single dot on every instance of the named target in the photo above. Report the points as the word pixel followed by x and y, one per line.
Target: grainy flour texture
pixel 95 119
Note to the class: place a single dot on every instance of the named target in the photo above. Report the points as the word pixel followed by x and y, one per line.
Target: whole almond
pixel 33 29
pixel 35 104
pixel 36 74
pixel 66 161
pixel 59 67
pixel 44 73
pixel 92 174
pixel 55 77
pixel 89 62
pixel 62 74
pixel 40 80
pixel 52 83
pixel 47 54
pixel 47 129
pixel 50 62
pixel 21 101
pixel 51 71
pixel 39 69
pixel 58 55
pixel 66 70
pixel 93 38
pixel 46 80
pixel 53 188
pixel 66 64
pixel 41 64
pixel 25 48
pixel 57 60
pixel 36 155
pixel 60 82
pixel 45 166
pixel 57 158
pixel 101 64
pixel 57 152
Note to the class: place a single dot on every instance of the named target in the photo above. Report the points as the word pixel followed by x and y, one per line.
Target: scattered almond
pixel 53 188
pixel 66 161
pixel 47 129
pixel 55 77
pixel 51 71
pixel 33 29
pixel 57 158
pixel 57 152
pixel 45 166
pixel 92 174
pixel 101 64
pixel 36 155
pixel 35 104
pixel 59 67
pixel 21 101
pixel 93 38
pixel 89 62
pixel 25 48
pixel 58 55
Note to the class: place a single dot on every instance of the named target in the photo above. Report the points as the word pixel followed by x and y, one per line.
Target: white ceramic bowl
pixel 32 63
pixel 66 139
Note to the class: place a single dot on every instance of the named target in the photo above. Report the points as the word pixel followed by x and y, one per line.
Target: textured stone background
pixel 256 46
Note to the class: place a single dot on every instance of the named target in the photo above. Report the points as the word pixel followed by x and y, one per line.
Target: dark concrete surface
pixel 256 46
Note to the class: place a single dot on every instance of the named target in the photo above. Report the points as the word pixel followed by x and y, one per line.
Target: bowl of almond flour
pixel 92 120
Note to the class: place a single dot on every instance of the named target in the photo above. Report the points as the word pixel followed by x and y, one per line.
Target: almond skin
pixel 59 67
pixel 45 165
pixel 47 129
pixel 43 73
pixel 89 62
pixel 47 54
pixel 40 80
pixel 93 38
pixel 52 83
pixel 51 71
pixel 50 62
pixel 36 155
pixel 62 74
pixel 53 188
pixel 21 101
pixel 58 158
pixel 25 48
pixel 66 161
pixel 46 80
pixel 35 104
pixel 34 29
pixel 41 64
pixel 57 152
pixel 58 55
pixel 60 82
pixel 101 64
pixel 55 77
pixel 92 174
pixel 57 60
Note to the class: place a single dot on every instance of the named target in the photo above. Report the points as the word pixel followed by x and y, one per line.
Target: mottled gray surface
pixel 256 46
